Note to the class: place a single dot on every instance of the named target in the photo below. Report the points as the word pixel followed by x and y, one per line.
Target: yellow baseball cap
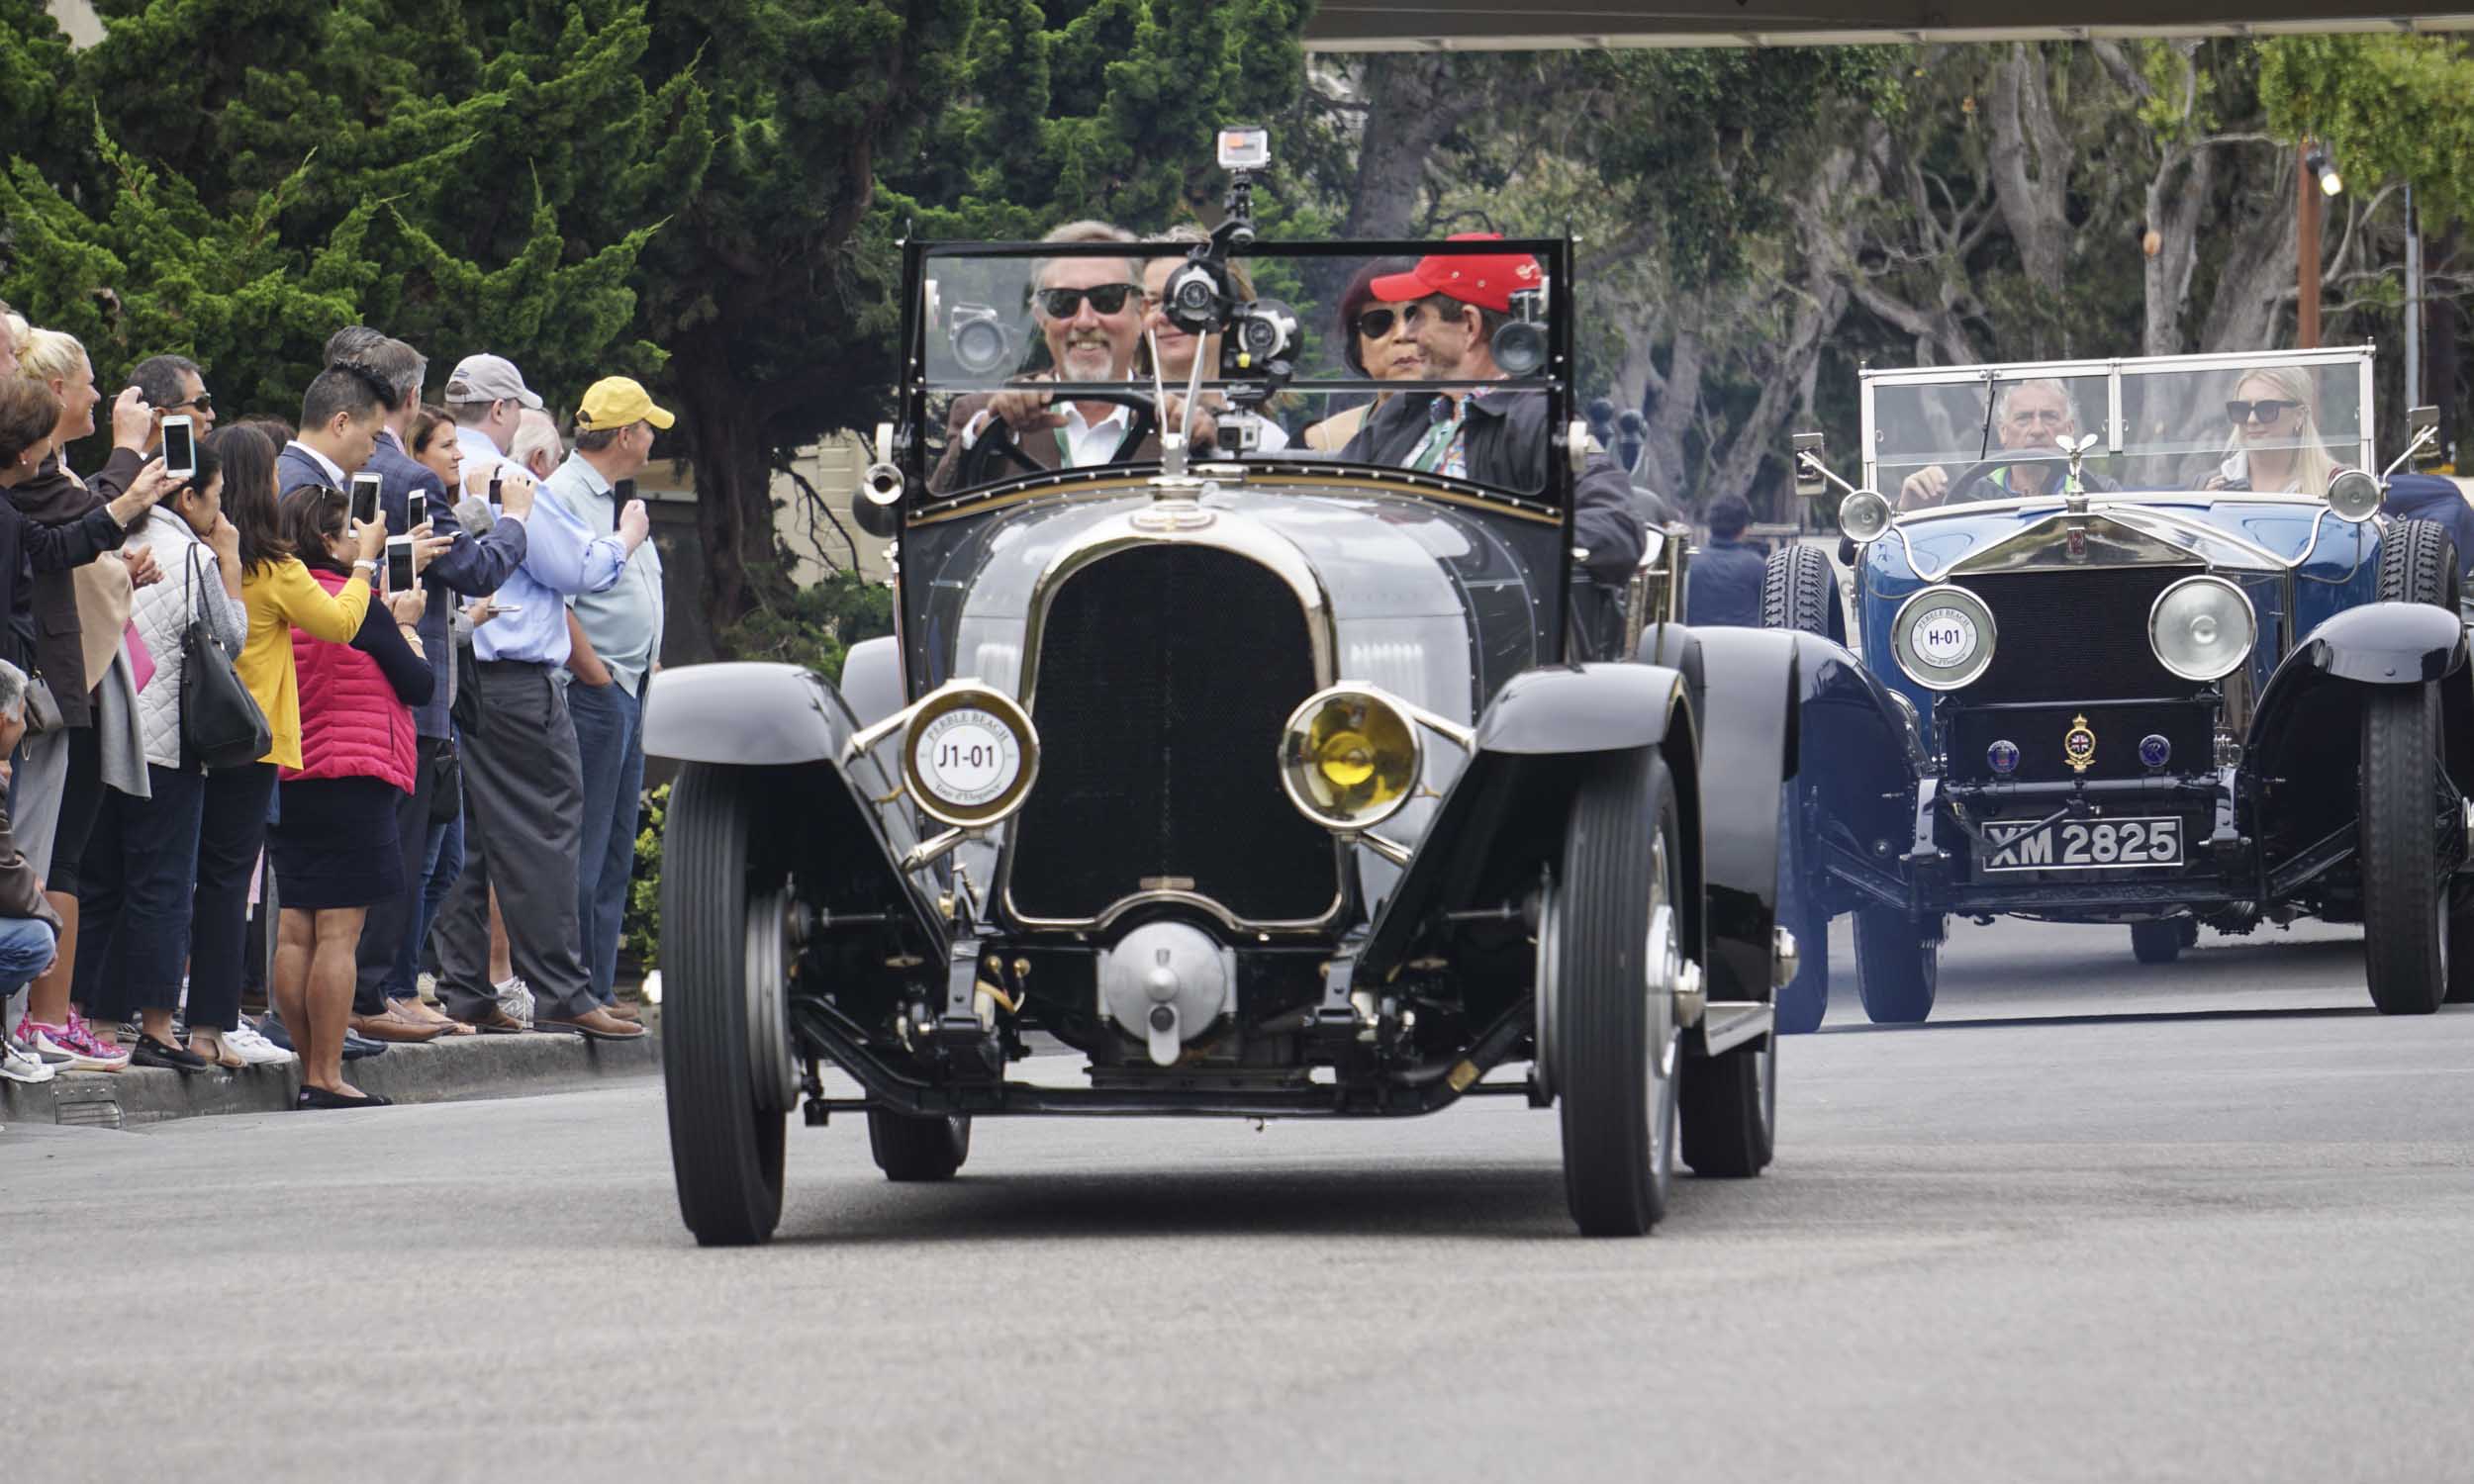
pixel 615 401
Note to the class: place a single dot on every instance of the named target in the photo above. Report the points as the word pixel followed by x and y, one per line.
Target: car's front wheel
pixel 1898 966
pixel 1615 951
pixel 721 929
pixel 2409 825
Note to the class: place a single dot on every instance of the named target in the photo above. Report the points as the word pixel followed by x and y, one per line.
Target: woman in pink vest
pixel 333 841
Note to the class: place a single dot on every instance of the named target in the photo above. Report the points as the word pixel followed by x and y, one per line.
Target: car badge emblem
pixel 2074 543
pixel 2078 745
pixel 1171 516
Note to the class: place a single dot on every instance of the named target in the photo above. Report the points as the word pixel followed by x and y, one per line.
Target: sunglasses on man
pixel 1106 299
pixel 2266 409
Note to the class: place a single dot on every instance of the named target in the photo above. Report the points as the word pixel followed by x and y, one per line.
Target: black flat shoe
pixel 313 1098
pixel 150 1052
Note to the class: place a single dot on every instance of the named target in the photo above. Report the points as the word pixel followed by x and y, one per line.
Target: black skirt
pixel 334 843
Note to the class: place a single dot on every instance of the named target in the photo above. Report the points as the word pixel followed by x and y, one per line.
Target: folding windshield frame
pixel 2113 371
pixel 1554 255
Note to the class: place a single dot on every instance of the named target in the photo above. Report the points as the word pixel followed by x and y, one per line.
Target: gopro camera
pixel 399 564
pixel 1245 147
pixel 981 345
pixel 180 446
pixel 365 498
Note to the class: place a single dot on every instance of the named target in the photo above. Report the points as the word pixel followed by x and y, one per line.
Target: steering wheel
pixel 1983 469
pixel 998 440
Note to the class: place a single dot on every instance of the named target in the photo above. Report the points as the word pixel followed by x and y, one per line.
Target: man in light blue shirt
pixel 617 645
pixel 523 789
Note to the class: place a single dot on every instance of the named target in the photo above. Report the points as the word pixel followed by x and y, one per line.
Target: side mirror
pixel 2422 420
pixel 1809 485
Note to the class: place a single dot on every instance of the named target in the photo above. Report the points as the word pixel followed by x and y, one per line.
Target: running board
pixel 1728 1023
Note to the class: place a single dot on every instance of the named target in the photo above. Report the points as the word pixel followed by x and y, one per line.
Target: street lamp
pixel 2330 183
pixel 2317 180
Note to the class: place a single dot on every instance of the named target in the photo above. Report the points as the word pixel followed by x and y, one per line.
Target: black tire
pixel 1897 970
pixel 1618 1099
pixel 1806 998
pixel 1730 1109
pixel 1799 592
pixel 2159 941
pixel 2406 809
pixel 725 1151
pixel 2419 564
pixel 918 1148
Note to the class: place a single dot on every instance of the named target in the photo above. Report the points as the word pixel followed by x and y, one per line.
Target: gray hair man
pixel 29 927
pixel 523 790
pixel 2029 417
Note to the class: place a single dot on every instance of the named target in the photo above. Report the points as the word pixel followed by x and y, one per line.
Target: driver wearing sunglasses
pixel 1089 312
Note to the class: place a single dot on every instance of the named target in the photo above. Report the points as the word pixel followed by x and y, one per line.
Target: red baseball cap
pixel 1486 280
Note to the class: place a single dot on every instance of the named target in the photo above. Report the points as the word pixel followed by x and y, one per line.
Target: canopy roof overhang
pixel 1506 25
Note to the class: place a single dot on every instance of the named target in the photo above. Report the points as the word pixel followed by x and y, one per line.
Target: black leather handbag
pixel 221 723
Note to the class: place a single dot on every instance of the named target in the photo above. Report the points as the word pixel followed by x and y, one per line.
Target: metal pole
pixel 2413 302
pixel 2306 254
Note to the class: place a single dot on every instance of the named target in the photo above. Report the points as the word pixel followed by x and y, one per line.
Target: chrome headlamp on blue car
pixel 2157 659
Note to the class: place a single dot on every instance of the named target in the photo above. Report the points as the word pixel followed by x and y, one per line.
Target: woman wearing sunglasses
pixel 2274 447
pixel 1378 340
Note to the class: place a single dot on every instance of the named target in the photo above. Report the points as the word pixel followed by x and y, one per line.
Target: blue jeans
pixel 27 946
pixel 609 744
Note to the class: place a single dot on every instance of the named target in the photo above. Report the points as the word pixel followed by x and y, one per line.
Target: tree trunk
pixel 733 492
pixel 2031 167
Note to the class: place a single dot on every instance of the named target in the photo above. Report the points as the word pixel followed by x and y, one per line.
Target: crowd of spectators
pixel 445 619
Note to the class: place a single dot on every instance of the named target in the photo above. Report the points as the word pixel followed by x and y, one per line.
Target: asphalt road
pixel 2210 1223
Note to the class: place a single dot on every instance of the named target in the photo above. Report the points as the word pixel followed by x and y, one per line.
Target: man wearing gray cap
pixel 523 786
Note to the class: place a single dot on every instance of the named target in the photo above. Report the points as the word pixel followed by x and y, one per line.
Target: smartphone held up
pixel 364 499
pixel 180 448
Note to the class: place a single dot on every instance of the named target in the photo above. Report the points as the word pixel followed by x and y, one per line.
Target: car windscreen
pixel 1437 358
pixel 2270 424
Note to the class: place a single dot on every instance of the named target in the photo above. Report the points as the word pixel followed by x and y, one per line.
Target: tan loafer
pixel 625 1011
pixel 595 1024
pixel 496 1022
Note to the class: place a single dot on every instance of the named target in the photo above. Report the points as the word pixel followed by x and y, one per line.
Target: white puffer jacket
pixel 162 613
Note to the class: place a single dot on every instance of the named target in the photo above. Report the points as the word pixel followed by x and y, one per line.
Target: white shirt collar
pixel 335 471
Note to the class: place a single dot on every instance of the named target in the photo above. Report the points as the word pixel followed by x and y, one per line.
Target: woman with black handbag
pixel 279 594
pixel 139 875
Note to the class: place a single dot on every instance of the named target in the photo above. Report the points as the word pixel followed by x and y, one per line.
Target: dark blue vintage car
pixel 2132 644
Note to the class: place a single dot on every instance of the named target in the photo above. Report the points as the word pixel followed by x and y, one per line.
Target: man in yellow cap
pixel 615 639
pixel 525 824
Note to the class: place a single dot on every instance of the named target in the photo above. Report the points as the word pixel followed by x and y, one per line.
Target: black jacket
pixel 1724 585
pixel 1508 448
pixel 57 523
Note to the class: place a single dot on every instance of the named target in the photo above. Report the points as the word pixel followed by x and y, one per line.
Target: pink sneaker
pixel 74 1041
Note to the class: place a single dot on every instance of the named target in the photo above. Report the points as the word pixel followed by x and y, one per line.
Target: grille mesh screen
pixel 1165 673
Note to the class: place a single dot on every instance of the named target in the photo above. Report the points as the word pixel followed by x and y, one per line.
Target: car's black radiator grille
pixel 2074 634
pixel 1165 673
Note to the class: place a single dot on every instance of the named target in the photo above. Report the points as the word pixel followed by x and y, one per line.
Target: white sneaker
pixel 254 1048
pixel 22 1066
pixel 514 996
pixel 426 987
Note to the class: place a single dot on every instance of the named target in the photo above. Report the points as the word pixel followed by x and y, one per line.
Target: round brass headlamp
pixel 968 758
pixel 1349 757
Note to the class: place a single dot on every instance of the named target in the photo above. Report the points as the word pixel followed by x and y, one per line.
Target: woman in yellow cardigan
pixel 280 595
